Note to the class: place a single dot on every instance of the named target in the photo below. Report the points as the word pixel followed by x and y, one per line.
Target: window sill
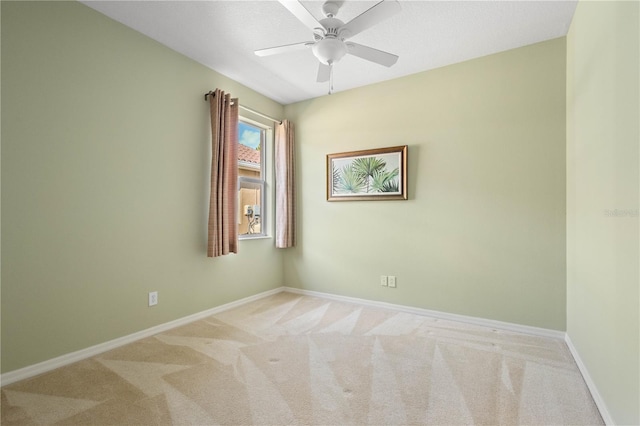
pixel 251 237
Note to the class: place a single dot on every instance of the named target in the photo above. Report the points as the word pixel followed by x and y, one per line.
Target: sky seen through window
pixel 248 135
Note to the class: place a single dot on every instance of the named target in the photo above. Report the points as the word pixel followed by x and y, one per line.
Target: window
pixel 252 142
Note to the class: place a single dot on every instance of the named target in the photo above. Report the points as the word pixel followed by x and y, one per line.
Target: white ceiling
pixel 222 35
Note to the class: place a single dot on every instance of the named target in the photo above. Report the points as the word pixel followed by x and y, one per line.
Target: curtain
pixel 285 186
pixel 223 227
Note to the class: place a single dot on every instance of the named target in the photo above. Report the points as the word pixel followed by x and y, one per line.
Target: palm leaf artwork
pixel 391 186
pixel 373 174
pixel 384 181
pixel 336 178
pixel 367 167
pixel 350 182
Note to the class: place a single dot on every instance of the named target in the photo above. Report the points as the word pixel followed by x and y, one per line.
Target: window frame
pixel 266 135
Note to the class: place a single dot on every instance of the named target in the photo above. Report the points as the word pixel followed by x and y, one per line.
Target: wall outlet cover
pixel 153 298
pixel 392 281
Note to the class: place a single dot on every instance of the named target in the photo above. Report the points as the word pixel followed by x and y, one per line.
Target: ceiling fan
pixel 330 35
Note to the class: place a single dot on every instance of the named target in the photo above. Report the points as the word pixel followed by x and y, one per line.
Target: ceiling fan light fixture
pixel 329 50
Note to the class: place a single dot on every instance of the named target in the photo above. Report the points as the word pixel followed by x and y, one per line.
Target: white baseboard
pixel 597 398
pixel 45 366
pixel 500 325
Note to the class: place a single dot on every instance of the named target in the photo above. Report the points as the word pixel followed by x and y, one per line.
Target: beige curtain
pixel 223 227
pixel 285 186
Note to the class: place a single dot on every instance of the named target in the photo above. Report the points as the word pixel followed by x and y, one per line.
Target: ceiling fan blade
pixel 371 54
pixel 378 13
pixel 282 49
pixel 324 73
pixel 300 12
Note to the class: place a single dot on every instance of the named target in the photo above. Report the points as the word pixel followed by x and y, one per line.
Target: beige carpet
pixel 291 359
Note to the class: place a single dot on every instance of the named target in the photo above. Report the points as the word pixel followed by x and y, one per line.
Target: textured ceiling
pixel 222 35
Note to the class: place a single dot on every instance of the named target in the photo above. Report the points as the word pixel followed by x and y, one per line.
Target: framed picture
pixel 372 174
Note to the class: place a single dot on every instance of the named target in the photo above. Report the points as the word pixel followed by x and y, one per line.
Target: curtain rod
pixel 252 111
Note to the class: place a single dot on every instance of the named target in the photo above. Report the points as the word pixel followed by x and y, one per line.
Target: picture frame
pixel 368 175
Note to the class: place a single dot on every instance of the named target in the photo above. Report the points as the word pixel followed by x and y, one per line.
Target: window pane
pixel 252 144
pixel 250 210
pixel 250 140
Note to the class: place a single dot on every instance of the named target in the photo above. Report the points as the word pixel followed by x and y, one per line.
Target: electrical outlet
pixel 383 280
pixel 392 281
pixel 153 298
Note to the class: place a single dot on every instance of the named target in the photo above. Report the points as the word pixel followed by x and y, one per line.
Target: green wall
pixel 483 231
pixel 105 161
pixel 603 258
